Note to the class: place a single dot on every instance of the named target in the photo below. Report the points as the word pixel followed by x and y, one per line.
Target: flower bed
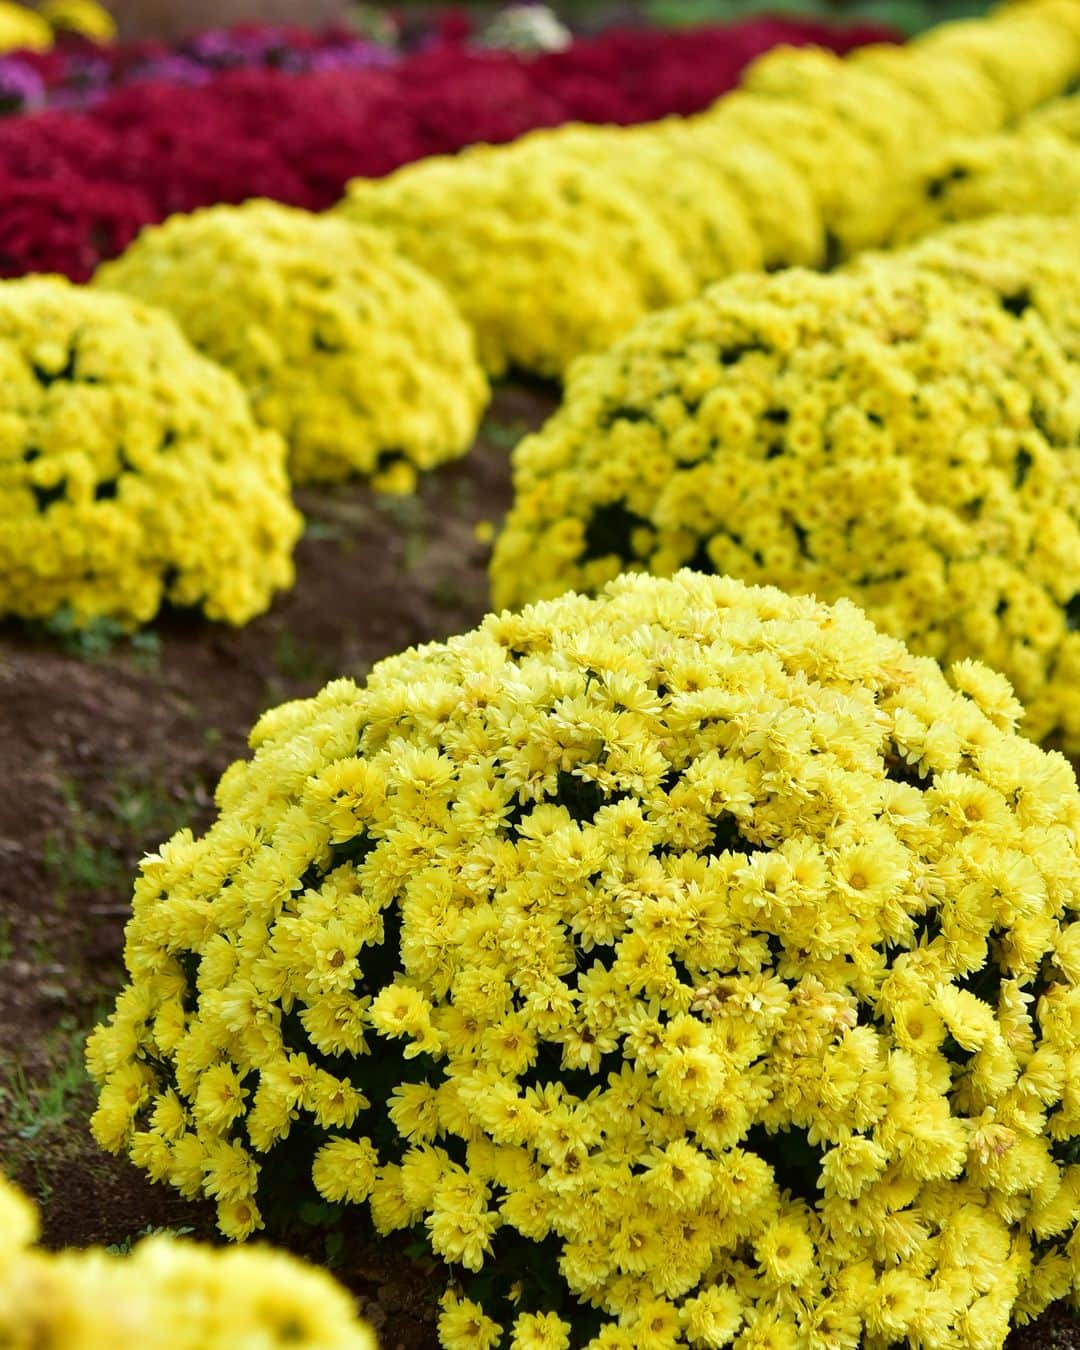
pixel 558 243
pixel 299 138
pixel 76 73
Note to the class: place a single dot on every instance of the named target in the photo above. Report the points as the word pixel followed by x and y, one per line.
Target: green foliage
pixel 100 638
pixel 908 16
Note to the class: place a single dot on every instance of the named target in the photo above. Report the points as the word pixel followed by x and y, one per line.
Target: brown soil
pixel 105 753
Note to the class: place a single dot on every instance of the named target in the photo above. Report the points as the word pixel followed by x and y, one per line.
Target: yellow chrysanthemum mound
pixel 961 93
pixel 21 27
pixel 131 468
pixel 775 195
pixel 358 358
pixel 702 207
pixel 167 1295
pixel 846 177
pixel 1032 172
pixel 889 435
pixel 547 254
pixel 694 949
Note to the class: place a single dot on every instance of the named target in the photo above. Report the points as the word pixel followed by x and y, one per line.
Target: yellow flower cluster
pixel 557 244
pixel 905 435
pixel 167 1295
pixel 1028 262
pixel 357 357
pixel 694 949
pixel 21 27
pixel 131 469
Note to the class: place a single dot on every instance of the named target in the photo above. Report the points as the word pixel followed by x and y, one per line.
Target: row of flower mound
pixel 559 242
pixel 78 184
pixel 166 1295
pixel 356 361
pixel 689 965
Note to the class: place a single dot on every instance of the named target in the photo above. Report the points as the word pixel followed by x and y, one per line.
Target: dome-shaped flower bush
pixel 896 105
pixel 847 177
pixel 691 962
pixel 546 254
pixel 165 1295
pixel 774 194
pixel 132 471
pixel 890 436
pixel 1032 172
pixel 879 109
pixel 357 357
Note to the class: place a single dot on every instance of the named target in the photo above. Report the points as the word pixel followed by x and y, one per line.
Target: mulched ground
pixel 104 753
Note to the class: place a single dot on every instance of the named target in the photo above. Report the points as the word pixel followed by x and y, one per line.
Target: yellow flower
pixel 219 1099
pixel 786 1252
pixel 713 1317
pixel 229 1171
pixel 344 1169
pixel 540 1331
pixel 21 27
pixel 238 1219
pixel 463 1325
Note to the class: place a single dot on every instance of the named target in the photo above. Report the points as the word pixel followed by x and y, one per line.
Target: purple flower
pixel 21 87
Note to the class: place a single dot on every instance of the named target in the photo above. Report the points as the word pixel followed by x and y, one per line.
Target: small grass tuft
pixel 99 638
pixel 37 1106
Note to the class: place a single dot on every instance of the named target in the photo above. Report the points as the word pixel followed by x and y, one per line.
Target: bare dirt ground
pixel 107 747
